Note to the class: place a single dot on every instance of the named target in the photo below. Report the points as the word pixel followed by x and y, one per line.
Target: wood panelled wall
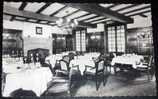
pixel 12 41
pixel 140 40
pixel 95 42
pixel 62 43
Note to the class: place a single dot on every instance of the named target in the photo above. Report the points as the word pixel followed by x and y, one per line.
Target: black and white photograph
pixel 77 49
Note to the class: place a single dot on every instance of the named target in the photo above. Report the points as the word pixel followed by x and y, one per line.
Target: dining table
pixel 26 77
pixel 82 61
pixel 128 59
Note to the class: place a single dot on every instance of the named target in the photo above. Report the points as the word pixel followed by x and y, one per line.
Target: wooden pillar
pixel 125 37
pixel 116 47
pixel 105 39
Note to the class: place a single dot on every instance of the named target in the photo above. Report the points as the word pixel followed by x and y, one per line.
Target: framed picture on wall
pixel 39 30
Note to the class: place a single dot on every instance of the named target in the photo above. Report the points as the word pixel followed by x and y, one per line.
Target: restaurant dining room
pixel 77 49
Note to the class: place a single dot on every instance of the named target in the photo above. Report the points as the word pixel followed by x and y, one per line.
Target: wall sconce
pixel 144 44
pixel 92 37
pixel 97 37
pixel 58 38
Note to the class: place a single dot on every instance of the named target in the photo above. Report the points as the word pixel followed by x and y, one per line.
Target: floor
pixel 121 84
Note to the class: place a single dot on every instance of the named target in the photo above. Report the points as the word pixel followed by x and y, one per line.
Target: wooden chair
pixel 66 58
pixel 108 60
pixel 57 84
pixel 147 67
pixel 64 68
pixel 71 55
pixel 64 71
pixel 3 80
pixel 96 72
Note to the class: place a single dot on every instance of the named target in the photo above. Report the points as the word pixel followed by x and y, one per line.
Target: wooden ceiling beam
pixel 104 22
pixel 126 7
pixel 44 7
pixel 137 9
pixel 15 12
pixel 12 18
pixel 82 24
pixel 33 22
pixel 111 6
pixel 26 14
pixel 90 18
pixel 96 9
pixel 23 5
pixel 140 13
pixel 72 13
pixel 57 11
pixel 82 16
pixel 98 19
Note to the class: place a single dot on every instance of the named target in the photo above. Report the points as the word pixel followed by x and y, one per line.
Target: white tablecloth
pixel 82 61
pixel 130 59
pixel 30 79
pixel 10 65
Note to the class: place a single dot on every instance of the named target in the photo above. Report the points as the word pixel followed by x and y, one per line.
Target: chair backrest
pixel 71 55
pixel 50 66
pixel 100 65
pixel 25 59
pixel 150 61
pixel 37 57
pixel 66 58
pixel 112 55
pixel 63 65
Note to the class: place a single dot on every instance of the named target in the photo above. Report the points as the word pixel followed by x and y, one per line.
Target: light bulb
pixel 60 20
pixel 92 37
pixel 57 22
pixel 72 24
pixel 5 35
pixel 68 20
pixel 75 21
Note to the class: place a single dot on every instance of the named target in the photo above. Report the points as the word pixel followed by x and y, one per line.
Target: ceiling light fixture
pixel 67 24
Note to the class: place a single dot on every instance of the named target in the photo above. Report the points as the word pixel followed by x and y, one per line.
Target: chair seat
pixel 90 71
pixel 75 72
pixel 142 69
pixel 142 66
pixel 62 71
pixel 58 88
pixel 60 80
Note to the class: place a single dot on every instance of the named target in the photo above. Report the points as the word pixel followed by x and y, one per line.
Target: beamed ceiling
pixel 88 15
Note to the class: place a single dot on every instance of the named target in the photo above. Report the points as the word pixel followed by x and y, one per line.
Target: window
pixel 81 40
pixel 120 39
pixel 78 41
pixel 111 39
pixel 116 38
